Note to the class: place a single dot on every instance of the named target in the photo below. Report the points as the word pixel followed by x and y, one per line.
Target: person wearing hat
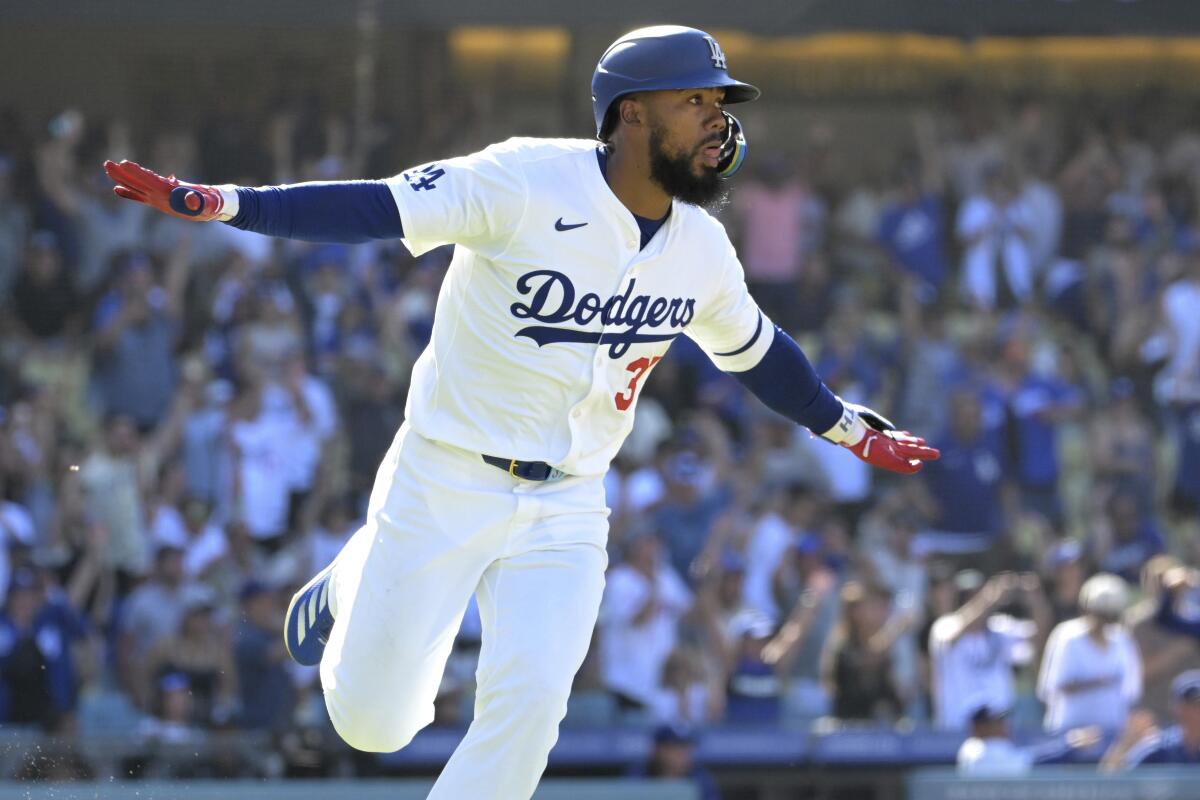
pixel 673 757
pixel 1092 673
pixel 1143 743
pixel 990 751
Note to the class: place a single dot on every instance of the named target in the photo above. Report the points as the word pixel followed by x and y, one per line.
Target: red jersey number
pixel 639 368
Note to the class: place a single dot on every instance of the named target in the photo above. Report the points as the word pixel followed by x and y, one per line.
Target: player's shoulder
pixel 701 227
pixel 529 149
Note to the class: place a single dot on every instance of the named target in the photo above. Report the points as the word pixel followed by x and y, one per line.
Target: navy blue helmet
pixel 669 57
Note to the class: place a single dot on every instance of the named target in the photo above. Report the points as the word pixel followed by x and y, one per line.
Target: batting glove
pixel 874 439
pixel 170 195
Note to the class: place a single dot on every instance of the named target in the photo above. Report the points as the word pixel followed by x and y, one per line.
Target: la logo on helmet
pixel 718 58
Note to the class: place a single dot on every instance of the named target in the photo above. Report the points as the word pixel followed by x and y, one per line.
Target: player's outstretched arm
pixel 787 383
pixel 346 212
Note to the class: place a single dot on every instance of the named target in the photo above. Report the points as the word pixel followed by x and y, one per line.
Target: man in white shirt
pixel 1092 673
pixel 576 264
pixel 975 649
pixel 639 617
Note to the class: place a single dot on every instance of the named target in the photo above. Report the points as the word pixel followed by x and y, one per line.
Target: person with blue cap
pixel 1143 743
pixel 673 757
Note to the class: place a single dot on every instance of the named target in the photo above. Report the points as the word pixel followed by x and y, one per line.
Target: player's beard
pixel 676 175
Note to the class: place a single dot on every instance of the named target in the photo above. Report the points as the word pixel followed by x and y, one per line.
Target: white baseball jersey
pixel 550 317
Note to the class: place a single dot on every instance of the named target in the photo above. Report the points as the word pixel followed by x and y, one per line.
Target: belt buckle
pixel 512 468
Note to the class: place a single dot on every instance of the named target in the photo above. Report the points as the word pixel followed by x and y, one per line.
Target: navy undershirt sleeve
pixel 788 385
pixel 346 212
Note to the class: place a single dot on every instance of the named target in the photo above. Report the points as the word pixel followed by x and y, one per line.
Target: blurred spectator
pixel 137 325
pixel 1122 454
pixel 989 752
pixel 977 646
pixel 1065 571
pixel 1164 652
pixel 857 668
pixel 1179 601
pixel 199 536
pixel 1039 402
pixel 962 489
pixel 696 495
pixel 674 758
pixel 806 586
pixel 781 223
pixel 754 689
pixel 1185 493
pixel 172 719
pixel 258 444
pixel 111 478
pixel 38 676
pixel 720 606
pixel 267 695
pixel 1143 743
pixel 202 429
pixel 1091 673
pixel 789 513
pixel 14 226
pixel 644 598
pixel 995 226
pixel 311 415
pixel 1179 744
pixel 911 231
pixel 202 654
pixel 686 694
pixel 44 301
pixel 1085 183
pixel 1179 380
pixel 152 613
pixel 929 361
pixel 372 410
pixel 1124 539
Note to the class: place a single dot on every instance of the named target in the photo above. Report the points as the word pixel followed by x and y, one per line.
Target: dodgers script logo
pixel 552 301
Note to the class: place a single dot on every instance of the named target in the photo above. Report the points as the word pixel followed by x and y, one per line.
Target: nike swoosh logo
pixel 559 226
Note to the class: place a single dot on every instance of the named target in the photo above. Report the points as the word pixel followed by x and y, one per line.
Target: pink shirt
pixel 780 227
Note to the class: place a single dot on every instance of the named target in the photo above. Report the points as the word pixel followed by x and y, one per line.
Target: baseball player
pixel 576 264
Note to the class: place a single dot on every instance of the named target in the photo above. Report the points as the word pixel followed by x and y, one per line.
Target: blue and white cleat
pixel 309 620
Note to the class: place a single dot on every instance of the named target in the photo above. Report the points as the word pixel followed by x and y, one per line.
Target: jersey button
pixel 632 243
pixel 577 413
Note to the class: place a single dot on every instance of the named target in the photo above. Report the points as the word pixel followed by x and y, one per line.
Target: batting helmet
pixel 669 57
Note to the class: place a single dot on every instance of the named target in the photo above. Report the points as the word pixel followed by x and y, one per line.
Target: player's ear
pixel 632 110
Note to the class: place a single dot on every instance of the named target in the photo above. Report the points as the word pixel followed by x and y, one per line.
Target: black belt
pixel 526 470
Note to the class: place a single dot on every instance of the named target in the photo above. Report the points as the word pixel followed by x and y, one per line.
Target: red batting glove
pixel 897 451
pixel 873 438
pixel 170 195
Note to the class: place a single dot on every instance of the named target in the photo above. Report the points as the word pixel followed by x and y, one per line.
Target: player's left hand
pixel 881 445
pixel 191 201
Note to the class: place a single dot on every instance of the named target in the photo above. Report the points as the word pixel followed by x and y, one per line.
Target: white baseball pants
pixel 441 525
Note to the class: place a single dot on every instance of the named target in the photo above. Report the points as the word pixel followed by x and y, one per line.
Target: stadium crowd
pixel 191 418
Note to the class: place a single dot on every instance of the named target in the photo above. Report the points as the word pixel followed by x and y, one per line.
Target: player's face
pixel 686 130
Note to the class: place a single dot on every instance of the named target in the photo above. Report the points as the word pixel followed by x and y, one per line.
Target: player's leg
pixel 538 610
pixel 401 585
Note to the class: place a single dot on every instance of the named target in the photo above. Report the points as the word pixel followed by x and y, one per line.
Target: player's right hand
pixel 170 195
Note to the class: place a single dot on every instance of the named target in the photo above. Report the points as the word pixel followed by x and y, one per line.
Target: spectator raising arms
pixel 978 646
